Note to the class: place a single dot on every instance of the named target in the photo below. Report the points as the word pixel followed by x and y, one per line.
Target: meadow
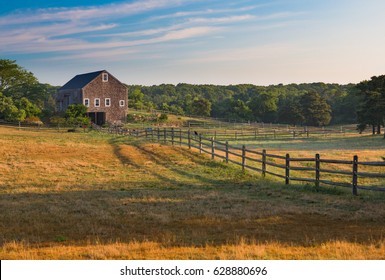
pixel 90 195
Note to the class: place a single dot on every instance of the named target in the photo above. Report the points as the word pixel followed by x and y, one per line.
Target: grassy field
pixel 97 196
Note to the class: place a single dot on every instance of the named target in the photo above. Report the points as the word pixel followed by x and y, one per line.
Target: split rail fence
pixel 315 169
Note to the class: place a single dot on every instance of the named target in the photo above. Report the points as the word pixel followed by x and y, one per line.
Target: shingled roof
pixel 80 81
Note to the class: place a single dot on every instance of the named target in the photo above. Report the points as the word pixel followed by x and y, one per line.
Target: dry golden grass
pixel 338 250
pixel 95 196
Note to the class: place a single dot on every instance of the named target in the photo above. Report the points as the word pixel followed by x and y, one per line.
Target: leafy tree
pixel 264 105
pixel 241 110
pixel 76 115
pixel 9 111
pixel 372 108
pixel 291 112
pixel 30 109
pixel 316 110
pixel 135 99
pixel 201 107
pixel 14 76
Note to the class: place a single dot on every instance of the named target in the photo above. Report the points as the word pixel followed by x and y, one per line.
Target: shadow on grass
pixel 183 217
pixel 169 164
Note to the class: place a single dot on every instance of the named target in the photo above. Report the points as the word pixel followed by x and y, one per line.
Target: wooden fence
pixel 280 133
pixel 290 168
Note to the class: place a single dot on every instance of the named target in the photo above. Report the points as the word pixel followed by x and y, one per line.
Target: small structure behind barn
pixel 103 95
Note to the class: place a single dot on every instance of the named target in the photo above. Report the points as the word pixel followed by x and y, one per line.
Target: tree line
pixel 23 98
pixel 315 104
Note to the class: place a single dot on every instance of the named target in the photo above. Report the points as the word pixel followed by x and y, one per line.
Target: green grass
pixel 358 142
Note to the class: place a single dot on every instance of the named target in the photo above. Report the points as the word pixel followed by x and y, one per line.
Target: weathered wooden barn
pixel 103 95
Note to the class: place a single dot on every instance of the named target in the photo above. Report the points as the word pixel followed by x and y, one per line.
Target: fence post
pixel 355 175
pixel 200 143
pixel 243 157
pixel 264 163
pixel 165 135
pixel 172 136
pixel 189 138
pixel 152 134
pixel 158 131
pixel 317 170
pixel 145 133
pixel 227 152
pixel 287 175
pixel 212 148
pixel 236 136
pixel 180 137
pixel 274 133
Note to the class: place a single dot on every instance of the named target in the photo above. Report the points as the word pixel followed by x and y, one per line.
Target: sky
pixel 151 42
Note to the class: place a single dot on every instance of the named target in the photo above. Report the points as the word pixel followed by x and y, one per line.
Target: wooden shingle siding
pixel 97 85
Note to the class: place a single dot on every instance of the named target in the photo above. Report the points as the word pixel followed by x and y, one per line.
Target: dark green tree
pixel 372 108
pixel 316 110
pixel 291 112
pixel 201 107
pixel 264 106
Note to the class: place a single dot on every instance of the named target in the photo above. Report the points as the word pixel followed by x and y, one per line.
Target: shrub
pixel 33 120
pixel 163 117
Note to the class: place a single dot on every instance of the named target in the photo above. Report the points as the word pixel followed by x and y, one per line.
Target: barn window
pixel 86 102
pixel 97 102
pixel 107 102
pixel 121 103
pixel 105 77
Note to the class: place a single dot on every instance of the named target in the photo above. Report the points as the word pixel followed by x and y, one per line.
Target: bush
pixel 163 117
pixel 33 120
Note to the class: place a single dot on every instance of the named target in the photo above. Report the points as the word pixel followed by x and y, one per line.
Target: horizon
pixel 216 43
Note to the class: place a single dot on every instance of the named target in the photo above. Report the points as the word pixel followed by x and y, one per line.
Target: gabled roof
pixel 80 81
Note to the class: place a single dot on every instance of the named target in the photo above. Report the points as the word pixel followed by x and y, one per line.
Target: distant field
pixel 97 196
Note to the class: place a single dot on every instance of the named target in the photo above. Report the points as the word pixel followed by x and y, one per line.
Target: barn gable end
pixel 103 94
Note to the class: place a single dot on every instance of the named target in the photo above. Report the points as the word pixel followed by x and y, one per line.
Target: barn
pixel 103 95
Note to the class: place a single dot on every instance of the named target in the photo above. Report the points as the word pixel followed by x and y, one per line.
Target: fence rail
pixel 265 163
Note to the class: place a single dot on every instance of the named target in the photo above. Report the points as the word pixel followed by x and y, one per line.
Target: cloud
pixel 222 19
pixel 32 43
pixel 207 12
pixel 59 29
pixel 85 13
pixel 103 31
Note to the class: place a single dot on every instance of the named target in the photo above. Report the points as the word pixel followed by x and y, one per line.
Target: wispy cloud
pixel 86 13
pixel 55 29
pixel 228 19
pixel 106 31
pixel 206 12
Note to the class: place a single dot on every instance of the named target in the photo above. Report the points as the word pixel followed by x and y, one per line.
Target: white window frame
pixel 107 102
pixel 97 102
pixel 105 77
pixel 86 102
pixel 122 103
